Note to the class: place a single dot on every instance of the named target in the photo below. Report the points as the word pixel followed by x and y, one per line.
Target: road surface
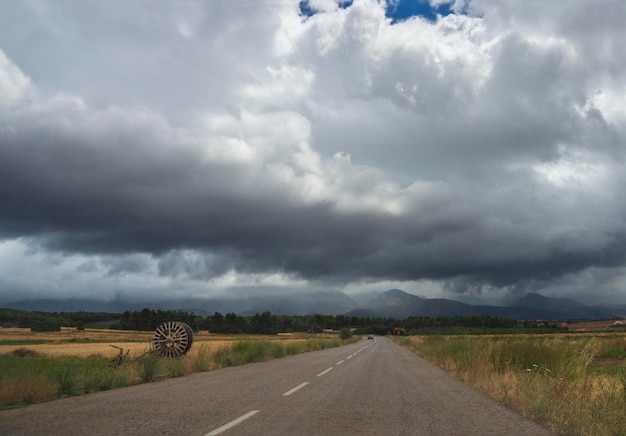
pixel 373 387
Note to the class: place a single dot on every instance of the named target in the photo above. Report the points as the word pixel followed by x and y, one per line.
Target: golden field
pixel 88 342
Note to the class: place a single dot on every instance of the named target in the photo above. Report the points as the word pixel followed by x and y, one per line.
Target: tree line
pixel 52 321
pixel 267 323
pixel 259 323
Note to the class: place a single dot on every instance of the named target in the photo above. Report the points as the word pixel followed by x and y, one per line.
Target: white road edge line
pixel 340 362
pixel 300 386
pixel 232 423
pixel 324 372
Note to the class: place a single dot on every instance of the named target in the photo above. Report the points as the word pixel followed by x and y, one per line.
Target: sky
pixel 159 149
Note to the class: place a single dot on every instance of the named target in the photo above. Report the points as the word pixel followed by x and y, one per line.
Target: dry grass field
pixel 90 342
pixel 574 382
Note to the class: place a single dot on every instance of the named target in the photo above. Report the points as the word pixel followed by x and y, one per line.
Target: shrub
pixel 24 352
pixel 99 381
pixel 67 380
pixel 345 333
pixel 174 367
pixel 148 367
pixel 45 325
pixel 202 360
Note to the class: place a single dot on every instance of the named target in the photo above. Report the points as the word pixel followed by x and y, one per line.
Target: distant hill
pixel 393 303
pixel 327 303
pixel 363 313
pixel 538 301
pixel 399 304
pixel 568 309
pixel 532 306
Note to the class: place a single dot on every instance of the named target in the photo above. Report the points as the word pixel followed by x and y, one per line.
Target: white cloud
pixel 14 85
pixel 279 87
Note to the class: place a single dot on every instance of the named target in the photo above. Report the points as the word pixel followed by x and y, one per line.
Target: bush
pixel 67 379
pixel 345 333
pixel 148 367
pixel 175 368
pixel 25 352
pixel 202 361
pixel 99 381
pixel 45 325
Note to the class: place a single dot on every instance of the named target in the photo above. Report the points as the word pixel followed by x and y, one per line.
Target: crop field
pixel 91 342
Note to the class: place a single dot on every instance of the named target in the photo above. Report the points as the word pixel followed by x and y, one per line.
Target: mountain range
pixel 393 303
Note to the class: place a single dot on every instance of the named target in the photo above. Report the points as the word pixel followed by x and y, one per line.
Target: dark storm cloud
pixel 123 187
pixel 210 142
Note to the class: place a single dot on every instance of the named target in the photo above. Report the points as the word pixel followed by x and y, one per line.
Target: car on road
pixel 370 337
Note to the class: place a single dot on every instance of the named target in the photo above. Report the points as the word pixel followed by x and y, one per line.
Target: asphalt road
pixel 373 387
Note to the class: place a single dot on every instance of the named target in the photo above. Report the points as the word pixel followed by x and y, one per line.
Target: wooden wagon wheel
pixel 172 339
pixel 189 335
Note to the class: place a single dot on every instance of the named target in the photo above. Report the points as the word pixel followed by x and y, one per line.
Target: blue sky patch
pixel 308 11
pixel 397 11
pixel 405 9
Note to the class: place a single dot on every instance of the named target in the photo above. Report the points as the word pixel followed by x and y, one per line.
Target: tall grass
pixel 550 378
pixel 27 377
pixel 248 351
pixel 147 367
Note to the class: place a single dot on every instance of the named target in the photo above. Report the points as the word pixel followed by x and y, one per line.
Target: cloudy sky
pixel 159 149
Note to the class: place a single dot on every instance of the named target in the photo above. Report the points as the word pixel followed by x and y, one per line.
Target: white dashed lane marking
pixel 300 386
pixel 324 372
pixel 233 423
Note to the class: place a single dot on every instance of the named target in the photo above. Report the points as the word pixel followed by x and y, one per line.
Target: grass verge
pixel 557 380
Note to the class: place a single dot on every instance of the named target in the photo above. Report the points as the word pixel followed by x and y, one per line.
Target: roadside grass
pixel 247 351
pixel 257 351
pixel 563 381
pixel 28 377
